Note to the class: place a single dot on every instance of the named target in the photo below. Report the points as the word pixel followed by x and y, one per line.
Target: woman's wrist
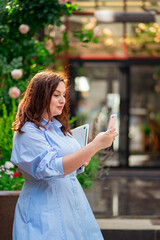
pixel 94 147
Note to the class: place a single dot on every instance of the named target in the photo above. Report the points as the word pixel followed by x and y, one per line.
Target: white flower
pixel 89 26
pixel 8 165
pixel 14 92
pixel 108 42
pixel 17 73
pixel 152 29
pixel 142 26
pixel 2 168
pixel 8 172
pixel 107 31
pixel 62 28
pixel 23 28
pixel 97 31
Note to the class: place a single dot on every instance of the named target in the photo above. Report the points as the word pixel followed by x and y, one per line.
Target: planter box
pixel 8 201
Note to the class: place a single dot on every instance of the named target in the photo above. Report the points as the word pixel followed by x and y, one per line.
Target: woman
pixel 52 204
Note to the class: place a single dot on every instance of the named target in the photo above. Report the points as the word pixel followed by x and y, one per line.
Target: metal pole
pixel 124 30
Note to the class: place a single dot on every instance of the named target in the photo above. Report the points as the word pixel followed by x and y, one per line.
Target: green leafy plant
pixel 146 129
pixel 6 133
pixel 89 175
pixel 32 35
pixel 10 177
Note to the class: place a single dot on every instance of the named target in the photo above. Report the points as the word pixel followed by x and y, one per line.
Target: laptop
pixel 81 135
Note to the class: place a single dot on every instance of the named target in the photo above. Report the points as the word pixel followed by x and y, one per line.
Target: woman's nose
pixel 62 99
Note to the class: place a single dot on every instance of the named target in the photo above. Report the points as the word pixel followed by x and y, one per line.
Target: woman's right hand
pixel 73 161
pixel 105 139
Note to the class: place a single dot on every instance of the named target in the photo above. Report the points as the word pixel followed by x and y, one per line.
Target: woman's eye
pixel 57 95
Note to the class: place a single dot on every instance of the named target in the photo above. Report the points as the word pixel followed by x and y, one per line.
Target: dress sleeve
pixel 32 154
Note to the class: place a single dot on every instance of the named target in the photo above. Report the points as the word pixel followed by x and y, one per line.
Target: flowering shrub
pixel 145 40
pixel 32 35
pixel 10 177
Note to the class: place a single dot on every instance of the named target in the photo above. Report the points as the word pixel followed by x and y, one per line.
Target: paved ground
pixel 126 194
pixel 129 224
pixel 126 204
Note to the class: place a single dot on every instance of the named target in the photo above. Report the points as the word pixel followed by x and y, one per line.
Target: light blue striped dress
pixel 51 206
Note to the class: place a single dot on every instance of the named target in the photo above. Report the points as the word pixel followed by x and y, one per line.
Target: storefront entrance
pixel 129 88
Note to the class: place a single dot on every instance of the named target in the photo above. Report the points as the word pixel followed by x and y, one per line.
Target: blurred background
pixel 120 74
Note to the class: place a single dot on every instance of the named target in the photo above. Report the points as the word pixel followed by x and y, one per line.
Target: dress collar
pixel 53 122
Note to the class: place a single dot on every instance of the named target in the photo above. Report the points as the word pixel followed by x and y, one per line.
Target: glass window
pixel 144 131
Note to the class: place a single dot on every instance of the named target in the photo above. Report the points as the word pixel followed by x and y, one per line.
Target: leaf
pixel 71 121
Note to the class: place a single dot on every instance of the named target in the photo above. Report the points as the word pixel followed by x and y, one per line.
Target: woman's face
pixel 57 101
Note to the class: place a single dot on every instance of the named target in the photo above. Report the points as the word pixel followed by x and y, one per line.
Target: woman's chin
pixel 59 112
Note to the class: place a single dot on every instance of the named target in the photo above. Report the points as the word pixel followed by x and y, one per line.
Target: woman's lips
pixel 60 107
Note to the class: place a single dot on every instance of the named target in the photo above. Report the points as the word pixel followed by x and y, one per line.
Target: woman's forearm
pixel 75 160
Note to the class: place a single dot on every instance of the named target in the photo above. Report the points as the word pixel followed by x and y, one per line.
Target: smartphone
pixel 112 121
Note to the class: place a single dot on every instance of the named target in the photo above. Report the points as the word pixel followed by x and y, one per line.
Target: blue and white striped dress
pixel 51 206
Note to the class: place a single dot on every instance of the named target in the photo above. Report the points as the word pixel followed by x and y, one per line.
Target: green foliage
pixel 7 179
pixel 72 120
pixel 28 51
pixel 8 67
pixel 146 129
pixel 8 182
pixel 81 118
pixel 6 133
pixel 85 36
pixel 86 178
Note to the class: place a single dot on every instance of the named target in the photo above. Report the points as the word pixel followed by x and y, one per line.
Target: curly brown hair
pixel 37 98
